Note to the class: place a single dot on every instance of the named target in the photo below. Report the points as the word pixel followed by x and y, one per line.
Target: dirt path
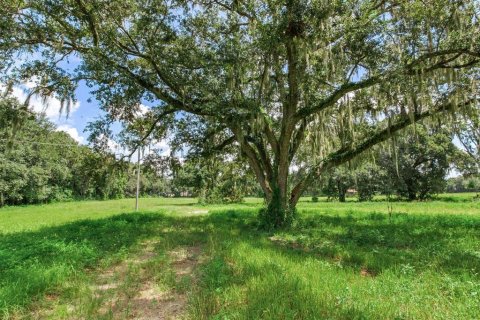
pixel 149 286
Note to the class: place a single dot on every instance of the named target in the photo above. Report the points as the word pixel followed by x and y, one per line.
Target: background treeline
pixel 212 179
pixel 39 164
pixel 463 184
pixel 414 165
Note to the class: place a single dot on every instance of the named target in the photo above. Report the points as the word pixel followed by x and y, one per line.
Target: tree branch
pixel 253 160
pixel 150 130
pixel 263 157
pixel 297 139
pixel 408 70
pixel 91 21
pixel 344 155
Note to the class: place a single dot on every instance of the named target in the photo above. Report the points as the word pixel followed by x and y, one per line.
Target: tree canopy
pixel 267 76
pixel 39 164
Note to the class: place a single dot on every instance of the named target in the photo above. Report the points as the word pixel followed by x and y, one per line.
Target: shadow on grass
pixel 377 243
pixel 265 269
pixel 457 199
pixel 35 263
pixel 374 241
pixel 371 243
pixel 190 204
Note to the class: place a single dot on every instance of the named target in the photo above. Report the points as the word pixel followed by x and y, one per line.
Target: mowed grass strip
pixel 339 261
pixel 34 217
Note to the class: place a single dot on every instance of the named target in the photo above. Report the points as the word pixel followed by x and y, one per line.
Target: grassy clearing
pixel 34 217
pixel 340 261
pixel 55 271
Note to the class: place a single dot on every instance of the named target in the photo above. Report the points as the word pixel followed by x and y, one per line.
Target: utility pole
pixel 138 180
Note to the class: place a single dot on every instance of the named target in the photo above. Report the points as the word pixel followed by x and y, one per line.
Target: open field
pixel 178 259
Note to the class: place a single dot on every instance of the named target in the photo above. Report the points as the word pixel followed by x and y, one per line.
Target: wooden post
pixel 138 180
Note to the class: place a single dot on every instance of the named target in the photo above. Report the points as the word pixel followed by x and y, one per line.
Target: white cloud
pixel 73 132
pixel 115 147
pixel 142 109
pixel 52 107
pixel 163 146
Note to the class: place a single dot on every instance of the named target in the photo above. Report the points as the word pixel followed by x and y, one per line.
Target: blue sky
pixel 74 123
pixel 86 109
pixel 82 111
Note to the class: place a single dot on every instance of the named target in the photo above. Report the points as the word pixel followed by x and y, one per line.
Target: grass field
pixel 175 258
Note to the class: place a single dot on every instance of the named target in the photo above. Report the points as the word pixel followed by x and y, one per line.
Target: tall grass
pixel 339 261
pixel 350 266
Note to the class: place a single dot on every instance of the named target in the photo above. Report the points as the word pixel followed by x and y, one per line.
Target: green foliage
pixel 369 180
pixel 338 261
pixel 338 183
pixel 215 180
pixel 467 130
pixel 100 176
pixel 339 77
pixel 463 184
pixel 421 162
pixel 39 164
pixel 413 165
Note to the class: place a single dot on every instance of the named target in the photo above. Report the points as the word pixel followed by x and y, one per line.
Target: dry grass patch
pixel 148 287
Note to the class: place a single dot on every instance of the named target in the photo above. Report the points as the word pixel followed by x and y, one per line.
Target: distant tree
pixel 156 175
pixel 420 161
pixel 39 164
pixel 338 183
pixel 36 160
pixel 100 176
pixel 12 181
pixel 369 180
pixel 215 181
pixel 463 184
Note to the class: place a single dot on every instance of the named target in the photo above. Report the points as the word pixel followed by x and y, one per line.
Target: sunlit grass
pixel 34 217
pixel 339 261
pixel 347 266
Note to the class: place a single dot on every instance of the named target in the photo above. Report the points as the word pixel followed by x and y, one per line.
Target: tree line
pixel 413 166
pixel 39 164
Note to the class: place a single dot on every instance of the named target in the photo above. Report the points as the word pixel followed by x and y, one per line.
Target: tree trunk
pixel 412 196
pixel 280 210
pixel 411 192
pixel 342 191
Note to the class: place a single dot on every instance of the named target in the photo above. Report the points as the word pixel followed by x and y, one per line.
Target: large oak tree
pixel 267 76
